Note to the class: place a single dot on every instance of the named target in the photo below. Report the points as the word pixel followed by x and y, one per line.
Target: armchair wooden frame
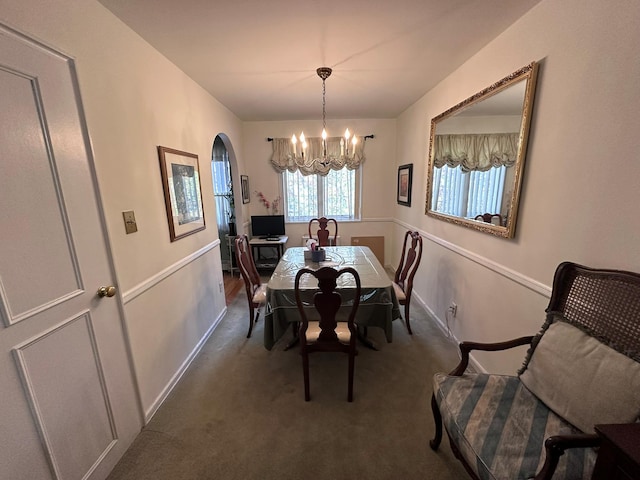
pixel 595 300
pixel 555 446
pixel 324 236
pixel 328 335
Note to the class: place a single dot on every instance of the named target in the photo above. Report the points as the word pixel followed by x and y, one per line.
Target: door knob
pixel 109 291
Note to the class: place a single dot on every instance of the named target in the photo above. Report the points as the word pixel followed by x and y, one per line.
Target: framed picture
pixel 244 182
pixel 405 176
pixel 182 196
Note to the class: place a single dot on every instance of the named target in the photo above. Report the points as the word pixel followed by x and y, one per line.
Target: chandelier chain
pixel 324 119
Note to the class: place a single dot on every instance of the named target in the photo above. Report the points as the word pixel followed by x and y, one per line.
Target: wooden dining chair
pixel 325 333
pixel 409 262
pixel 323 234
pixel 256 290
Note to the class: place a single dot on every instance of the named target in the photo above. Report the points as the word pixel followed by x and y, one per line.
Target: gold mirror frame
pixel 528 75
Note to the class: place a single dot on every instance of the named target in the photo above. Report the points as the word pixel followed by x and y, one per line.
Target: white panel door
pixel 68 400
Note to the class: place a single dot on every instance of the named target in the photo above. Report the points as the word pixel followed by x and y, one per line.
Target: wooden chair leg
pixel 250 320
pixel 437 418
pixel 351 368
pixel 305 371
pixel 406 317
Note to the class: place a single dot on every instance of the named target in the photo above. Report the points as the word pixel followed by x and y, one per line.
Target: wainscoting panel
pixel 169 317
pixel 42 235
pixel 64 382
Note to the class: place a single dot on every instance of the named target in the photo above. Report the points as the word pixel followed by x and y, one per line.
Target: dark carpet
pixel 239 411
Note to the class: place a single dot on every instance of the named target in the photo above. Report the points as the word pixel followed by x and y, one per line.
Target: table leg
pixel 294 341
pixel 362 336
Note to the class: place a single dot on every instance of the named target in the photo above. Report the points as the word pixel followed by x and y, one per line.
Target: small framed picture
pixel 244 183
pixel 405 174
pixel 182 196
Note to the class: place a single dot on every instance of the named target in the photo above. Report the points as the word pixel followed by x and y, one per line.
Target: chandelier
pixel 347 143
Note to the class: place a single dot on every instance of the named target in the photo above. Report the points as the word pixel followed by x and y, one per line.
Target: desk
pixel 258 243
pixel 378 303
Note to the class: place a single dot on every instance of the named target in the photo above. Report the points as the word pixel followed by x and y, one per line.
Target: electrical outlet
pixel 453 309
pixel 220 286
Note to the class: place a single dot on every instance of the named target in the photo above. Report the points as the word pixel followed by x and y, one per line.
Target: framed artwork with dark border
pixel 244 183
pixel 182 195
pixel 405 177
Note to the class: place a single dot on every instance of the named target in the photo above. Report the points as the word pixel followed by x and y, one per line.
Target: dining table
pixel 378 302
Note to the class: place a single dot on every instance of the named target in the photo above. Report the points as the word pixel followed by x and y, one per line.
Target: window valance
pixel 476 151
pixel 312 162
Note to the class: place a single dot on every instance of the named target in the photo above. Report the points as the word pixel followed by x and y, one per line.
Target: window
pixel 468 194
pixel 335 195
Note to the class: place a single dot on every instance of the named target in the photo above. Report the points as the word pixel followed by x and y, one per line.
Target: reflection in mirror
pixel 476 156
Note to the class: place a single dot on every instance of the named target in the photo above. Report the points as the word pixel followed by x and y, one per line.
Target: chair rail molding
pixel 378 219
pixel 167 272
pixel 527 282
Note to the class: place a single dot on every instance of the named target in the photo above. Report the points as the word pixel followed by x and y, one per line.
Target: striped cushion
pixel 500 428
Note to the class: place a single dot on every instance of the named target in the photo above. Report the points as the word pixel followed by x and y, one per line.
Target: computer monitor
pixel 264 226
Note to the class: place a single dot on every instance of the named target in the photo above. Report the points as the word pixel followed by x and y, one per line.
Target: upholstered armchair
pixel 581 370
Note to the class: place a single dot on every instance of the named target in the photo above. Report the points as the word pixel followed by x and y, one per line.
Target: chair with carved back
pixel 255 289
pixel 325 333
pixel 582 369
pixel 409 263
pixel 493 218
pixel 323 234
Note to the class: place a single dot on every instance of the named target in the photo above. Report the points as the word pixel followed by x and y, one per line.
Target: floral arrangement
pixel 271 206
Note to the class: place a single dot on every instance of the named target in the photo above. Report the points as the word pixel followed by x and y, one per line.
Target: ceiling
pixel 259 57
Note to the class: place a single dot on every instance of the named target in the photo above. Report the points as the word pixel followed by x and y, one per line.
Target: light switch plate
pixel 130 225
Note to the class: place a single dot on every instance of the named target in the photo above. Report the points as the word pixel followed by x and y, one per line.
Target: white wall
pixel 379 172
pixel 135 100
pixel 578 200
pixel 580 183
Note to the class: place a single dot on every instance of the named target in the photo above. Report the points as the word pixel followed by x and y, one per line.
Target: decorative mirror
pixel 476 156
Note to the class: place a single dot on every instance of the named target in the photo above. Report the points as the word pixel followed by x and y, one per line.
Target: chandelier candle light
pixel 345 150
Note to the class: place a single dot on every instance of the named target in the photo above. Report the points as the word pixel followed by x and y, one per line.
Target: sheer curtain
pixel 301 196
pixel 467 194
pixel 448 194
pixel 339 194
pixel 485 191
pixel 311 196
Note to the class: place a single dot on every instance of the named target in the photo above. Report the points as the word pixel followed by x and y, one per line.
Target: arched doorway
pixel 223 193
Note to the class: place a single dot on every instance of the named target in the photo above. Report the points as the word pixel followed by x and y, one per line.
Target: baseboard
pixel 148 415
